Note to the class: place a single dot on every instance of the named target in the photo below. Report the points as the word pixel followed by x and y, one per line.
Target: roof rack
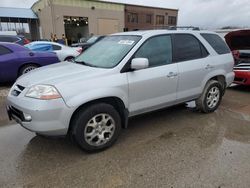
pixel 184 28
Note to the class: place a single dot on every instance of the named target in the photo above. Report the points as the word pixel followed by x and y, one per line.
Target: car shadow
pixel 243 88
pixel 8 84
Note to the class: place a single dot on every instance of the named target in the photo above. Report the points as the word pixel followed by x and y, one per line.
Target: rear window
pixel 217 43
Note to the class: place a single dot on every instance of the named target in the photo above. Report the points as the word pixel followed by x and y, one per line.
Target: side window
pixel 158 50
pixel 8 39
pixel 4 50
pixel 56 47
pixel 187 47
pixel 217 43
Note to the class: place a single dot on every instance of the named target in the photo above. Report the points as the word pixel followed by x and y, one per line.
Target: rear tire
pixel 27 68
pixel 211 97
pixel 96 127
pixel 68 58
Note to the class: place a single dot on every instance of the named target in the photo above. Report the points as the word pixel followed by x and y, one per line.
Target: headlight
pixel 43 92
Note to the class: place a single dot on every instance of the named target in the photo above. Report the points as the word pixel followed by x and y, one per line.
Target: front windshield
pixel 108 52
pixel 92 39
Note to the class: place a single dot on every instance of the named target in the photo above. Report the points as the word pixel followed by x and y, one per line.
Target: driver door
pixel 154 87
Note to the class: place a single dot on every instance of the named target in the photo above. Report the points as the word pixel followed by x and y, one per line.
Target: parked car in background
pixel 16 60
pixel 123 75
pixel 19 39
pixel 63 52
pixel 85 45
pixel 239 43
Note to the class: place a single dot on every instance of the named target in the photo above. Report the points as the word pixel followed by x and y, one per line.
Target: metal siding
pixel 17 13
pixel 89 4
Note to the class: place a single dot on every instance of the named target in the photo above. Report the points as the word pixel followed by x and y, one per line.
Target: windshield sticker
pixel 126 42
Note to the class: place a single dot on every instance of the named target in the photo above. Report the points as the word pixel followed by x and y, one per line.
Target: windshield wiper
pixel 84 63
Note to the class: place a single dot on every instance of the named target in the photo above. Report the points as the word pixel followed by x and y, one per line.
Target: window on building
pixel 172 20
pixel 132 17
pixel 19 27
pixel 149 18
pixel 187 47
pixel 158 50
pixel 160 20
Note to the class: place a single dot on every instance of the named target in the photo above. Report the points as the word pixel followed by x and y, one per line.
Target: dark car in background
pixel 16 60
pixel 239 43
pixel 19 39
pixel 85 45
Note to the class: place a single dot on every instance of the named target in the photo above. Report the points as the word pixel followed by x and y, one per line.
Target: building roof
pixel 8 12
pixel 151 4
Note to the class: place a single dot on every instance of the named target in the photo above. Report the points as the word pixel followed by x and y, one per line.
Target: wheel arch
pixel 25 64
pixel 116 102
pixel 68 57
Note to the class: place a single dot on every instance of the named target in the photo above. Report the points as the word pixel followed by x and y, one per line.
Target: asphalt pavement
pixel 175 147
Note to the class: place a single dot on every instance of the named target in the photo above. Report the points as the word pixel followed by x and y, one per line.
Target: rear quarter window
pixel 217 43
pixel 56 47
pixel 4 50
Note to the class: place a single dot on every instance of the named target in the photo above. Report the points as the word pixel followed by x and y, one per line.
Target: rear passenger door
pixel 155 86
pixel 190 56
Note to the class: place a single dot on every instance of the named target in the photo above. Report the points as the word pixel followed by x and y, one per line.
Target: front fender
pixel 88 96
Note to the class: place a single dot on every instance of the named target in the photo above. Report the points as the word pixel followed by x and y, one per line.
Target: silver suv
pixel 123 75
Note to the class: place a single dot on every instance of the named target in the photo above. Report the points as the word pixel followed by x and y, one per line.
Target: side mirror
pixel 139 63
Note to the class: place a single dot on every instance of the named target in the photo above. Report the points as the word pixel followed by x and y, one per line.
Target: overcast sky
pixel 202 13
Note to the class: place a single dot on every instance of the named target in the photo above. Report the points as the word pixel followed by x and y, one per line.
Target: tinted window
pixel 8 39
pixel 158 50
pixel 56 47
pixel 4 50
pixel 217 43
pixel 187 47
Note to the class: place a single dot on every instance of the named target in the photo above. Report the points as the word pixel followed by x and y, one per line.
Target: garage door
pixel 107 26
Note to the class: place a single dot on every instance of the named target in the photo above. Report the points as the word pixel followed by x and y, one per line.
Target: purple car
pixel 16 60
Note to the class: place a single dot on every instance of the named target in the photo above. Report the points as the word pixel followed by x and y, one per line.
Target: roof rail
pixel 184 28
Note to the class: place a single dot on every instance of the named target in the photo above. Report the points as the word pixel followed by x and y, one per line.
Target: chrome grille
pixel 242 66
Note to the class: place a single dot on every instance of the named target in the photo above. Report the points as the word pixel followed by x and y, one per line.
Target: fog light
pixel 27 117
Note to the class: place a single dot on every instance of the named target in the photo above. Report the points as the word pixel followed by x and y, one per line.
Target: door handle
pixel 209 67
pixel 172 74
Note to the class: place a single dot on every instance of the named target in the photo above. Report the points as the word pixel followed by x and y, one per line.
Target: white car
pixel 63 52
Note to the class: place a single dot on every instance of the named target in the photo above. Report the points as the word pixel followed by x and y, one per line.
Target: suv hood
pixel 60 73
pixel 238 40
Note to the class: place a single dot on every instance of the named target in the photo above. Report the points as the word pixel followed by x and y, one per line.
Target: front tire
pixel 96 127
pixel 211 97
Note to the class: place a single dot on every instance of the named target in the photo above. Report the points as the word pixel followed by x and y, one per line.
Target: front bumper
pixel 50 117
pixel 242 77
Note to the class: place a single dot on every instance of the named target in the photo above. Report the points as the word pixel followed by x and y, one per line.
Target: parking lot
pixel 175 147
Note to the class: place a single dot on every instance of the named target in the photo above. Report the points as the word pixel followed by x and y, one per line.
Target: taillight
pixel 79 50
pixel 26 41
